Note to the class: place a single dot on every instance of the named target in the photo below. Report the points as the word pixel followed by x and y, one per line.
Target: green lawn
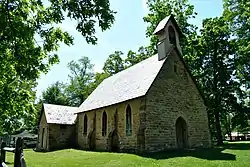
pixel 231 155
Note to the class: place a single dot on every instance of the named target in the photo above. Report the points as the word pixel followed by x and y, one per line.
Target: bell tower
pixel 168 33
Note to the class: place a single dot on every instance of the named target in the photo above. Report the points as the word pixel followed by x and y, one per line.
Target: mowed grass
pixel 231 155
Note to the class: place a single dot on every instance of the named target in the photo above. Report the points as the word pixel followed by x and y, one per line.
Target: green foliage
pixel 55 94
pixel 215 69
pixel 82 82
pixel 237 13
pixel 80 78
pixel 28 41
pixel 114 63
pixel 16 108
pixel 134 58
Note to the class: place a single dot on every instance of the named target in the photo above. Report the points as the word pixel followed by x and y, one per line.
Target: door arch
pixel 92 135
pixel 181 133
pixel 113 141
pixel 91 140
pixel 113 138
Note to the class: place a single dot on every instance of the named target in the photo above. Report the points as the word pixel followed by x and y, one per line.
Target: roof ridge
pixel 59 105
pixel 128 84
pixel 137 64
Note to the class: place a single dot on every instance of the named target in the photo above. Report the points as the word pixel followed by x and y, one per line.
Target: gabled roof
pixel 58 114
pixel 160 27
pixel 128 84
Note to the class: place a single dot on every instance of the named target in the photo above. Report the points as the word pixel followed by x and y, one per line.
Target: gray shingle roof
pixel 128 84
pixel 161 25
pixel 58 114
pixel 164 22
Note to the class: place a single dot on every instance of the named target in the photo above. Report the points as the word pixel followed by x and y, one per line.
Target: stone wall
pixel 61 136
pixel 126 143
pixel 43 126
pixel 173 94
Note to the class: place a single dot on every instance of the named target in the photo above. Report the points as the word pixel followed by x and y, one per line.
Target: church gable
pixel 175 74
pixel 174 95
pixel 42 120
pixel 173 101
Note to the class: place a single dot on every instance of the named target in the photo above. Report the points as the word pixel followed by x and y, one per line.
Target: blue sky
pixel 127 33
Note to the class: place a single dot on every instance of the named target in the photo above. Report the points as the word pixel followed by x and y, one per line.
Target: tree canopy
pixel 55 94
pixel 29 40
pixel 81 75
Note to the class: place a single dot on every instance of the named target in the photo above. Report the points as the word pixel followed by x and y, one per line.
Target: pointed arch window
pixel 128 121
pixel 104 124
pixel 85 124
pixel 172 36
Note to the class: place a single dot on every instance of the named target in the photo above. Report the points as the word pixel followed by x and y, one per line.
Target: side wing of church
pixel 152 106
pixel 57 129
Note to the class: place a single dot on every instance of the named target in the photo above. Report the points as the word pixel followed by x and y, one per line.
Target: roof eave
pixel 157 32
pixel 110 104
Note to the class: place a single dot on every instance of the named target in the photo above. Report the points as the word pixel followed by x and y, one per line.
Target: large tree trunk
pixel 228 128
pixel 218 129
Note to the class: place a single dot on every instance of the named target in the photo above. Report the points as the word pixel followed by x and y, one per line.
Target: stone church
pixel 151 106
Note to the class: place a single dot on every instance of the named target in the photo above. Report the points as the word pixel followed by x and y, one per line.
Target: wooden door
pixel 181 133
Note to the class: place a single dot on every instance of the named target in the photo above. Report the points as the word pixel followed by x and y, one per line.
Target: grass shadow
pixel 237 146
pixel 216 153
pixel 208 154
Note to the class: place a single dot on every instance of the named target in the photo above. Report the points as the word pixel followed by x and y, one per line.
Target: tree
pixel 114 63
pixel 241 119
pixel 16 96
pixel 28 42
pixel 214 69
pixel 237 13
pixel 55 94
pixel 81 78
pixel 134 58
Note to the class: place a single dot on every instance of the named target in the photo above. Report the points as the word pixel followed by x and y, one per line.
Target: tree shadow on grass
pixel 237 146
pixel 208 154
pixel 215 153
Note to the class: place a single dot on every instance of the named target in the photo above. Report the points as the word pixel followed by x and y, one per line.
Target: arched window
pixel 172 37
pixel 104 124
pixel 85 124
pixel 128 121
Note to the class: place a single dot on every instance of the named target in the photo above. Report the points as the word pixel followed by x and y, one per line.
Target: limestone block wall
pixel 61 136
pixel 126 143
pixel 43 126
pixel 82 139
pixel 174 94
